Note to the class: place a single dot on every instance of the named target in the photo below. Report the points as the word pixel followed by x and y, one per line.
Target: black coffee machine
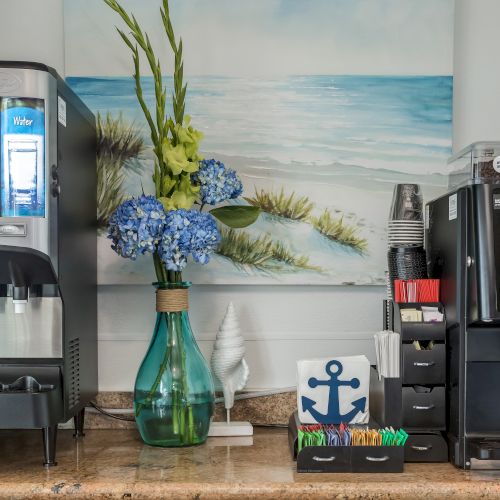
pixel 48 253
pixel 463 245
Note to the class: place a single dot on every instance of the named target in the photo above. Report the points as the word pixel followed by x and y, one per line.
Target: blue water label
pixel 23 120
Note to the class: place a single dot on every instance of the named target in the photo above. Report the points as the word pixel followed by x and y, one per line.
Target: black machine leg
pixel 79 420
pixel 49 445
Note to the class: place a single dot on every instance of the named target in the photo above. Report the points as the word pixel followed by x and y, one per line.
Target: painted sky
pixel 271 37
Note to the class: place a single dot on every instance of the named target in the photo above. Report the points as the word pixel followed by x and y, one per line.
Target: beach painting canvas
pixel 321 106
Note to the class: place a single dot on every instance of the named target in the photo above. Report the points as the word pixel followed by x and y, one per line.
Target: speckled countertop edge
pixel 293 491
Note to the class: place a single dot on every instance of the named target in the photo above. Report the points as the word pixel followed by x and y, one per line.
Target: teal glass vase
pixel 174 390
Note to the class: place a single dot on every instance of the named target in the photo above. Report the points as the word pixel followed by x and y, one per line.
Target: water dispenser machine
pixel 48 255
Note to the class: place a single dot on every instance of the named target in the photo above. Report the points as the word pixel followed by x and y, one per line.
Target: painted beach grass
pixel 119 147
pixel 289 206
pixel 300 208
pixel 261 252
pixel 337 230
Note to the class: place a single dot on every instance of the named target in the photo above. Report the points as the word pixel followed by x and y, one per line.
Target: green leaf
pixel 236 216
pixel 126 39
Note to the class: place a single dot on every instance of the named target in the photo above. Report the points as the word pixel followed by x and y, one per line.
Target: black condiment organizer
pixel 417 400
pixel 344 458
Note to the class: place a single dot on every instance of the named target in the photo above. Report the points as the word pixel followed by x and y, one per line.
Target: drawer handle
pixel 424 365
pixel 421 448
pixel 378 459
pixel 324 459
pixel 416 407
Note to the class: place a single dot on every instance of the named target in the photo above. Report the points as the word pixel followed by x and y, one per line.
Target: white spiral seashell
pixel 227 360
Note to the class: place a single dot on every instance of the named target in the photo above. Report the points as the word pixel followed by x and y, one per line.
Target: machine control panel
pixel 12 229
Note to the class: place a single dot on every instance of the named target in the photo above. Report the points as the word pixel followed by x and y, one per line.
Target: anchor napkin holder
pixel 333 390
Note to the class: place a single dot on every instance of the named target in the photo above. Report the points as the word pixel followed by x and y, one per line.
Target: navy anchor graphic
pixel 333 415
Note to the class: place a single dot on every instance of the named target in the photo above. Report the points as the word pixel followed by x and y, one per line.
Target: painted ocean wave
pixel 404 122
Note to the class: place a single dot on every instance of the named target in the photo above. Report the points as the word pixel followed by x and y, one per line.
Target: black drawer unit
pixel 416 401
pixel 423 410
pixel 428 447
pixel 424 367
pixel 363 459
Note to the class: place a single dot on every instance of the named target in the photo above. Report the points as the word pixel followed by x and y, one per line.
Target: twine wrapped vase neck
pixel 172 299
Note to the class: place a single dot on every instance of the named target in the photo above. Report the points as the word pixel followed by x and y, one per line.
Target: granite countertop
pixel 116 464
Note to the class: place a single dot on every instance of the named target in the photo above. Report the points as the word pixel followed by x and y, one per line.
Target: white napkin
pixel 314 400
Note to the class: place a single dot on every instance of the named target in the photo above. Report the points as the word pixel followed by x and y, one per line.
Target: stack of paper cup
pixel 405 230
pixel 405 233
pixel 406 225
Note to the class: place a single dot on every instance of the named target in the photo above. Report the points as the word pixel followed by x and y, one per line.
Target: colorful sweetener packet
pixel 343 435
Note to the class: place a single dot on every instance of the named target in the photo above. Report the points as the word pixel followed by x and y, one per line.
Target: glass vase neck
pixel 165 285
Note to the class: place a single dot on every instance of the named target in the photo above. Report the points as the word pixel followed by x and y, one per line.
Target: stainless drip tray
pixel 485 450
pixel 26 384
pixel 31 397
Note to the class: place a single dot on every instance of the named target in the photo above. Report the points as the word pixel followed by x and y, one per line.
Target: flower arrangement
pixel 142 225
pixel 173 394
pixel 171 225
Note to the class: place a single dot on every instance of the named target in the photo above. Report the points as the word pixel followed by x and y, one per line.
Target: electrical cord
pixel 111 415
pixel 118 417
pixel 258 394
pixel 274 426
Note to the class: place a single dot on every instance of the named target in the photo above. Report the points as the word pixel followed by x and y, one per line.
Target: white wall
pixel 32 30
pixel 477 72
pixel 280 323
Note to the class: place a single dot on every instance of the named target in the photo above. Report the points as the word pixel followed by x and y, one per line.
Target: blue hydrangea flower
pixel 217 182
pixel 187 232
pixel 205 236
pixel 136 226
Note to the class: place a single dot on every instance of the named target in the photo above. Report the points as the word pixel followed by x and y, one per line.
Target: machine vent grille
pixel 74 372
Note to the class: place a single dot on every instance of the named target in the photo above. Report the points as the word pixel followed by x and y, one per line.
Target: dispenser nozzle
pixel 20 306
pixel 19 289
